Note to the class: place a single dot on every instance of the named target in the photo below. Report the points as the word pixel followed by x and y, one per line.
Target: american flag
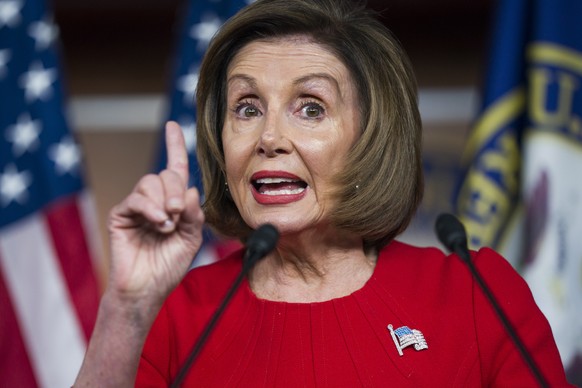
pixel 404 337
pixel 202 21
pixel 48 287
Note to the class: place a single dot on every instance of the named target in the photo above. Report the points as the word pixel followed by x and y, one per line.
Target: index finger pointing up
pixel 176 150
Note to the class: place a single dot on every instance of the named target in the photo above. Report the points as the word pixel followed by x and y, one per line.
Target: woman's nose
pixel 273 139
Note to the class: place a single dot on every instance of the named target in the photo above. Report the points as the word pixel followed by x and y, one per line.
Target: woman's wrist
pixel 129 312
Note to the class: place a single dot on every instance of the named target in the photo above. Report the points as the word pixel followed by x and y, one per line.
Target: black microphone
pixel 451 233
pixel 262 241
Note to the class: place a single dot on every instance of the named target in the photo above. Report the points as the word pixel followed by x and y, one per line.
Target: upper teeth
pixel 274 180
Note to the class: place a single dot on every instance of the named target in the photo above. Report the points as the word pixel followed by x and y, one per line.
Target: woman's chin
pixel 284 226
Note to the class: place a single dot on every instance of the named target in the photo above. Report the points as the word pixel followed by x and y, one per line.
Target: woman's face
pixel 292 117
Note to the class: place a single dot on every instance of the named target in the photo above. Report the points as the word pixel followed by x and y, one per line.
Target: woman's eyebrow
pixel 250 81
pixel 318 76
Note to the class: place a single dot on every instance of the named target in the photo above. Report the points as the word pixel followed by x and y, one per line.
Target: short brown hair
pixel 382 184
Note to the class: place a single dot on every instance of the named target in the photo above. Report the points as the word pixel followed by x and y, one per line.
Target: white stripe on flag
pixel 48 321
pixel 207 255
pixel 88 212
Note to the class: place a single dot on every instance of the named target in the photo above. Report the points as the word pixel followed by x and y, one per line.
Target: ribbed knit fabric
pixel 345 342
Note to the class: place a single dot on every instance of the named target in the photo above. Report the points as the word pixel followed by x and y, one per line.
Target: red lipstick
pixel 277 187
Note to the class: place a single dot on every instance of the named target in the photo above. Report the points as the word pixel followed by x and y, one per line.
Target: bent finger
pixel 192 219
pixel 139 210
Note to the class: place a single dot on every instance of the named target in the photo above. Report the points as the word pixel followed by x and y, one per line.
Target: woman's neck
pixel 304 270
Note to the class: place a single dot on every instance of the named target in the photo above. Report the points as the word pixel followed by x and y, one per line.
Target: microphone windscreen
pixel 263 239
pixel 450 231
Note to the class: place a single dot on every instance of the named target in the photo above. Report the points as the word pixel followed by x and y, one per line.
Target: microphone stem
pixel 464 254
pixel 247 264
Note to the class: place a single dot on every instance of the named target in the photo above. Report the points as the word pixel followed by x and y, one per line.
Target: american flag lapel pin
pixel 404 336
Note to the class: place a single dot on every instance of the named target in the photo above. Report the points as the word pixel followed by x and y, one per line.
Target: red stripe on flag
pixel 15 367
pixel 68 236
pixel 224 248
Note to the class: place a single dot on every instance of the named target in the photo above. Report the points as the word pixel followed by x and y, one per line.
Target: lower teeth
pixel 283 192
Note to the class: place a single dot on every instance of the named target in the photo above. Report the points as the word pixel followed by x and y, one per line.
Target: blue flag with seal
pixel 202 21
pixel 522 192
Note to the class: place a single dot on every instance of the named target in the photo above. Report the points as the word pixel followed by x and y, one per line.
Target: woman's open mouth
pixel 277 187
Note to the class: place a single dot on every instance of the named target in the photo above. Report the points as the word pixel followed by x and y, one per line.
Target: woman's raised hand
pixel 154 234
pixel 156 231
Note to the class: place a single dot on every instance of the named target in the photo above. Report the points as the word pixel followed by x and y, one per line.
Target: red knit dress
pixel 345 342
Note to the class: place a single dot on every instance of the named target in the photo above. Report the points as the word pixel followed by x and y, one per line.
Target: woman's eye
pixel 312 110
pixel 247 110
pixel 250 111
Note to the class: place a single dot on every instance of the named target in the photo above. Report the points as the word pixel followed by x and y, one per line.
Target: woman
pixel 308 121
